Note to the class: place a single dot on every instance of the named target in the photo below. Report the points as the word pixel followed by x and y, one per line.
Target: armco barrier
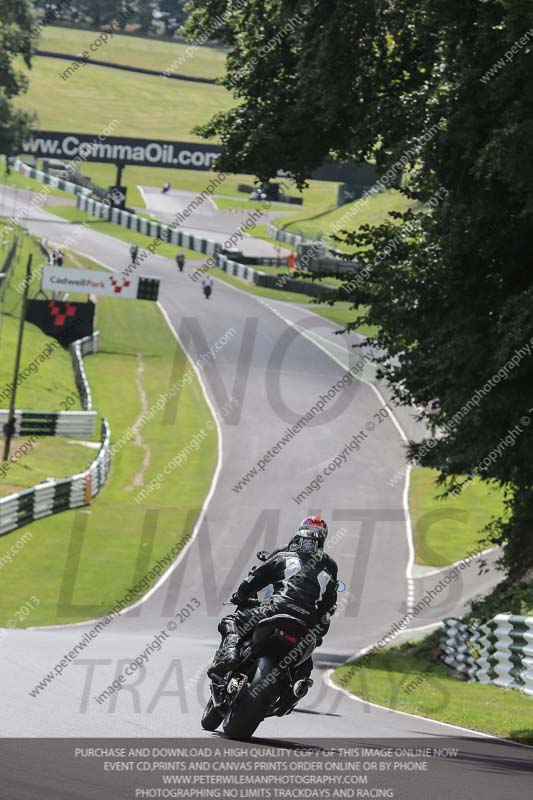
pixel 498 651
pixel 280 282
pixel 6 266
pixel 51 497
pixel 43 244
pixel 49 180
pixel 79 348
pixel 147 227
pixel 288 284
pixel 287 238
pixel 52 423
pixel 62 423
pixel 297 242
pixel 238 270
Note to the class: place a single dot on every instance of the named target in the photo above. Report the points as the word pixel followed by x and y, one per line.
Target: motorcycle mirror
pixel 262 555
pixel 341 586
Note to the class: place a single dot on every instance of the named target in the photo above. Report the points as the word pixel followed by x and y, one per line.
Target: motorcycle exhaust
pixel 301 687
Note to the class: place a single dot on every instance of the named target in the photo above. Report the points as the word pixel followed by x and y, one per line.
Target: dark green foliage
pixel 509 597
pixel 17 39
pixel 419 85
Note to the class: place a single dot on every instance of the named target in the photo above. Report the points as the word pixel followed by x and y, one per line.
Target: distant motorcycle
pixel 166 187
pixel 207 291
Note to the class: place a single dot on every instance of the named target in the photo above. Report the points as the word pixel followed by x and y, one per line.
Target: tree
pixel 17 36
pixel 443 91
pixel 102 12
pixel 454 296
pixel 173 14
pixel 302 71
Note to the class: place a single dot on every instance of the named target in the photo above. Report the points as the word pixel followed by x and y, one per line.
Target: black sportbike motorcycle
pixel 265 684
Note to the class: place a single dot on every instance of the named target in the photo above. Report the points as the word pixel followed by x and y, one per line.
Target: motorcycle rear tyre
pixel 253 703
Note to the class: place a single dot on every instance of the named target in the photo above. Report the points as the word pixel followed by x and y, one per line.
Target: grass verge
pixel 17 181
pixel 372 210
pixel 207 61
pixel 242 203
pixel 406 679
pixel 80 563
pixel 107 95
pixel 446 530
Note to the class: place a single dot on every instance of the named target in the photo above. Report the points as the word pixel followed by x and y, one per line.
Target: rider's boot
pixel 227 656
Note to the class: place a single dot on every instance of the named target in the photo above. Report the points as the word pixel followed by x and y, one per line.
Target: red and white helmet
pixel 314 524
pixel 311 535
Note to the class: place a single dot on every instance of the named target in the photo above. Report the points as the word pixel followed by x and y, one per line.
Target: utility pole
pixel 9 428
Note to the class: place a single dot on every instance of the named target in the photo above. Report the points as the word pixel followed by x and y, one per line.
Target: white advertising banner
pixel 89 281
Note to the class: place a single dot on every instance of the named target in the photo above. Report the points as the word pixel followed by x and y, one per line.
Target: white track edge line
pixel 329 682
pixel 214 480
pixel 357 699
pixel 141 192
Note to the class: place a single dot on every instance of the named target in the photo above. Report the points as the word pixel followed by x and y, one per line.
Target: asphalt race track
pixel 207 220
pixel 277 366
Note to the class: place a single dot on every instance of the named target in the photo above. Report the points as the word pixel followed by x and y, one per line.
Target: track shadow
pixel 279 743
pixel 316 713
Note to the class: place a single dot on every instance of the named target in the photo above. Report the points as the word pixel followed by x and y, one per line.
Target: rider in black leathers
pixel 304 580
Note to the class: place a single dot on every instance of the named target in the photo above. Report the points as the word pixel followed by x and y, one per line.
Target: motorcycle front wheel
pixel 211 718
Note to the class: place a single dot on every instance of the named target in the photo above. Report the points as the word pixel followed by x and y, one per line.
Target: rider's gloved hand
pixel 243 601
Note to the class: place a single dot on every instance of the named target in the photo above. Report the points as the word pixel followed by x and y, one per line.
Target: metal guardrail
pixel 53 496
pixel 147 227
pixel 43 244
pixel 238 270
pixel 52 423
pixel 498 651
pixel 78 349
pixel 62 423
pixel 287 238
pixel 8 262
pixel 296 241
pixel 49 180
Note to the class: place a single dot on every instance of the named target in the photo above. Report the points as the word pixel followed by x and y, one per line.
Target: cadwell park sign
pixel 161 153
pixel 91 281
